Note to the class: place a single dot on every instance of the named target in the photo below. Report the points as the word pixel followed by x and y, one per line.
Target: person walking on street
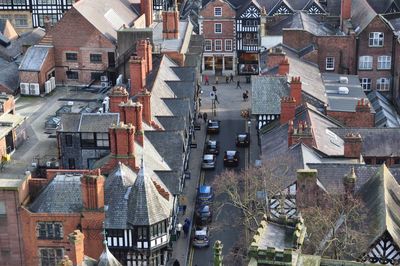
pixel 231 79
pixel 178 230
pixel 214 89
pixel 186 229
pixel 206 82
pixel 227 79
pixel 205 117
pixel 238 85
pixel 216 99
pixel 199 116
pixel 216 80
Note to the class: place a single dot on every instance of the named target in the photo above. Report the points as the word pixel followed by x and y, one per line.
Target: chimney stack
pixel 137 69
pixel 275 57
pixel 92 187
pixel 122 143
pixel 295 90
pixel 345 11
pixel 144 50
pixel 307 188
pixel 363 116
pixel 145 100
pixel 283 68
pixel 78 253
pixel 352 145
pixel 118 95
pixel 146 7
pixel 170 24
pixel 288 109
pixel 303 133
pixel 132 112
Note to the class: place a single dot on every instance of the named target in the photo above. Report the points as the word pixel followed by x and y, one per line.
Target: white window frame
pixel 215 28
pixel 384 62
pixel 366 84
pixel 227 46
pixel 383 84
pixel 330 63
pixel 210 45
pixel 365 62
pixel 218 11
pixel 376 39
pixel 216 45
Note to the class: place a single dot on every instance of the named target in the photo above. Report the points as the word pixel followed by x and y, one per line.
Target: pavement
pixel 229 112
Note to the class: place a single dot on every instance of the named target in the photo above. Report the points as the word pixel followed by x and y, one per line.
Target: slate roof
pixel 146 206
pixel 185 73
pixel 70 122
pixel 394 20
pixel 381 194
pixel 168 45
pixel 107 258
pixel 107 16
pixel 171 179
pixel 361 15
pixel 383 6
pixel 173 122
pixel 53 197
pixel 34 58
pixel 386 115
pixel 178 107
pixel 266 94
pixel 377 142
pixel 342 102
pixel 93 122
pixel 9 76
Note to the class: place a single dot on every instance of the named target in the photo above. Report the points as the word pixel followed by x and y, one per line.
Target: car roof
pixel 205 189
pixel 204 208
pixel 242 135
pixel 208 156
pixel 201 232
pixel 212 141
pixel 213 121
pixel 230 153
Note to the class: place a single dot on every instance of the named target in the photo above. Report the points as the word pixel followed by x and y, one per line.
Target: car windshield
pixel 241 137
pixel 213 124
pixel 201 237
pixel 230 154
pixel 208 160
pixel 212 145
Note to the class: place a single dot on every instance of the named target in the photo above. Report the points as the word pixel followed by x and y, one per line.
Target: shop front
pixel 248 63
pixel 219 65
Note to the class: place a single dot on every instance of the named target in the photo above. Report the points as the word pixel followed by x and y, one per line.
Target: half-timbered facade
pixel 39 10
pixel 217 25
pixel 139 210
pixel 248 38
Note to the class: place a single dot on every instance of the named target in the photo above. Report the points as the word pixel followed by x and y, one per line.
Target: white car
pixel 209 161
pixel 201 237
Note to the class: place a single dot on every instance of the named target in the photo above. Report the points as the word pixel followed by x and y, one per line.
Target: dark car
pixel 243 139
pixel 212 147
pixel 205 195
pixel 213 126
pixel 201 237
pixel 203 214
pixel 231 158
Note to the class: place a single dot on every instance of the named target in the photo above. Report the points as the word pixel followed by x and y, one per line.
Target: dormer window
pixel 217 11
pixel 376 39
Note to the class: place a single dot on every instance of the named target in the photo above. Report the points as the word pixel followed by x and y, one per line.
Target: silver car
pixel 209 161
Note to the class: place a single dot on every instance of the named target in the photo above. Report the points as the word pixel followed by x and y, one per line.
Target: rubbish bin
pixel 248 79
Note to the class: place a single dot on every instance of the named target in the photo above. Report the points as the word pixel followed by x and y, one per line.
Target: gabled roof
pixel 282 4
pixel 107 258
pixel 34 58
pixel 53 197
pixel 94 122
pixel 245 5
pixel 381 194
pixel 385 113
pixel 146 206
pixel 107 16
pixel 377 142
pixel 383 6
pixel 9 76
pixel 267 92
pixel 361 15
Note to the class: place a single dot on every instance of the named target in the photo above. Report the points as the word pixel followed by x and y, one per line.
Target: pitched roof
pixel 382 6
pixel 266 94
pixel 381 194
pixel 34 58
pixel 146 206
pixel 9 76
pixel 107 16
pixel 70 122
pixel 361 15
pixel 377 142
pixel 53 198
pixel 107 258
pixel 386 115
pixel 94 122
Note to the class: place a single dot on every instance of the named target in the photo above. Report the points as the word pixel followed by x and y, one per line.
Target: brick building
pixel 217 24
pixel 85 41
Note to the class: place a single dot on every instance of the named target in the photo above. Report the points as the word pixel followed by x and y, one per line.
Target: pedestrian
pixel 200 116
pixel 178 230
pixel 231 78
pixel 216 80
pixel 199 102
pixel 245 96
pixel 238 85
pixel 187 221
pixel 186 229
pixel 184 209
pixel 227 79
pixel 176 263
pixel 216 99
pixel 214 89
pixel 205 117
pixel 206 82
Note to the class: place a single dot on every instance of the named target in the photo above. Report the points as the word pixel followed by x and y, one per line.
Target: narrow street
pixel 225 224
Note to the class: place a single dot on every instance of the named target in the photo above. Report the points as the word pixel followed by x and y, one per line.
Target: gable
pixel 384 250
pixel 251 12
pixel 393 8
pixel 208 10
pixel 314 9
pixel 281 9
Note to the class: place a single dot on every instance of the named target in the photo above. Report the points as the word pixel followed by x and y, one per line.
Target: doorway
pixel 218 63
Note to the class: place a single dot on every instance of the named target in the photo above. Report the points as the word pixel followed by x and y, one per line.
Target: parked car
pixel 201 237
pixel 213 126
pixel 242 140
pixel 231 158
pixel 212 147
pixel 205 195
pixel 203 214
pixel 209 161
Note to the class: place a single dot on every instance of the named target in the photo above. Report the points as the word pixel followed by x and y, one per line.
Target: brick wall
pixel 354 119
pixel 73 33
pixel 308 192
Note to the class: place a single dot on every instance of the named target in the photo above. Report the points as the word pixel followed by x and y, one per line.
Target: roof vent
pixel 343 90
pixel 344 80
